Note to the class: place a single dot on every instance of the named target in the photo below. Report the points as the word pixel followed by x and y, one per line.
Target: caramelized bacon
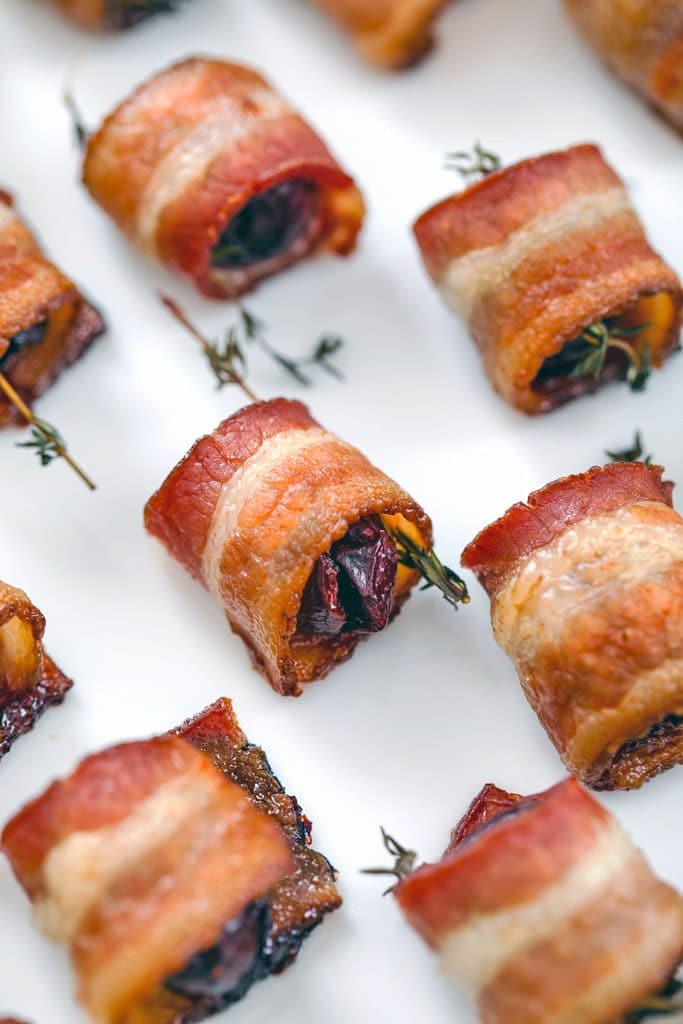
pixel 642 41
pixel 45 323
pixel 544 908
pixel 586 588
pixel 230 186
pixel 536 253
pixel 140 862
pixel 271 508
pixel 29 680
pixel 393 34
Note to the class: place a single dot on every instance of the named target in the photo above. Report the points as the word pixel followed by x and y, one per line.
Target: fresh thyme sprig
pixel 669 1000
pixel 228 363
pixel 598 339
pixel 404 861
pixel 325 349
pixel 636 453
pixel 473 165
pixel 45 438
pixel 430 567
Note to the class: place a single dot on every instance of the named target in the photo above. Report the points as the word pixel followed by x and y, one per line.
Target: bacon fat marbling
pixel 586 588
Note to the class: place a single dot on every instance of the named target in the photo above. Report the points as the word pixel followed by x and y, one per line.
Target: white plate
pixel 406 732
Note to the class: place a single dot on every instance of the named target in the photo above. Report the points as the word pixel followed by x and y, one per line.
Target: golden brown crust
pixel 393 34
pixel 534 254
pixel 642 40
pixel 305 488
pixel 137 861
pixel 543 907
pixel 34 292
pixel 29 680
pixel 586 587
pixel 221 136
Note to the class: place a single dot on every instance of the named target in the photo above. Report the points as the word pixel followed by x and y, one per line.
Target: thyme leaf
pixel 589 356
pixel 326 348
pixel 667 1001
pixel 430 567
pixel 404 861
pixel 633 454
pixel 471 166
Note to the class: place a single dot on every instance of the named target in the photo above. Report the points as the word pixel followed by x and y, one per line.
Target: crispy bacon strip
pixel 251 510
pixel 29 680
pixel 139 861
pixel 586 588
pixel 546 911
pixel 534 254
pixel 642 41
pixel 393 34
pixel 45 323
pixel 207 169
pixel 113 15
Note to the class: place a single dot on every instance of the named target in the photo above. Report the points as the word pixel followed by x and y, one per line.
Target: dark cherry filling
pixel 351 588
pixel 221 975
pixel 31 336
pixel 267 225
pixel 127 13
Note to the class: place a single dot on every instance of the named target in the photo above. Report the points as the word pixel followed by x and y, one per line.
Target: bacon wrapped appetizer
pixel 642 41
pixel 207 169
pixel 45 323
pixel 176 869
pixel 586 588
pixel 29 680
pixel 548 265
pixel 113 15
pixel 393 34
pixel 546 911
pixel 292 530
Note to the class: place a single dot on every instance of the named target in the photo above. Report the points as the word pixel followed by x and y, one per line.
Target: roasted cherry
pixel 267 225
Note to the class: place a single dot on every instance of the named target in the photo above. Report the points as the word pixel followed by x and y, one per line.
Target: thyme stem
pixel 46 439
pixel 430 567
pixel 478 163
pixel 404 861
pixel 223 363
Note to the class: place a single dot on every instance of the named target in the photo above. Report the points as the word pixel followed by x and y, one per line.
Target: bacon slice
pixel 642 41
pixel 586 588
pixel 45 323
pixel 206 168
pixel 113 15
pixel 252 508
pixel 298 903
pixel 29 680
pixel 534 254
pixel 393 34
pixel 138 861
pixel 546 911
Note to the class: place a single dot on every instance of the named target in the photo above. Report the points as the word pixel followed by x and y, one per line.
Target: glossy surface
pixel 427 711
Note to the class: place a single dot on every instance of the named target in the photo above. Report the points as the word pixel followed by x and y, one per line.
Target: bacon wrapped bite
pixel 548 265
pixel 291 529
pixel 207 169
pixel 29 680
pixel 390 33
pixel 642 40
pixel 45 323
pixel 586 588
pixel 545 910
pixel 113 15
pixel 177 871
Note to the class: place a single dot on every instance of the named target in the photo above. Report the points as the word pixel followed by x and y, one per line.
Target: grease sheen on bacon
pixel 137 861
pixel 180 161
pixel 251 509
pixel 546 911
pixel 642 40
pixel 586 588
pixel 29 680
pixel 391 33
pixel 533 254
pixel 45 323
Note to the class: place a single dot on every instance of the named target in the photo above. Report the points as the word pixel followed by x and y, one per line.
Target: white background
pixel 406 732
